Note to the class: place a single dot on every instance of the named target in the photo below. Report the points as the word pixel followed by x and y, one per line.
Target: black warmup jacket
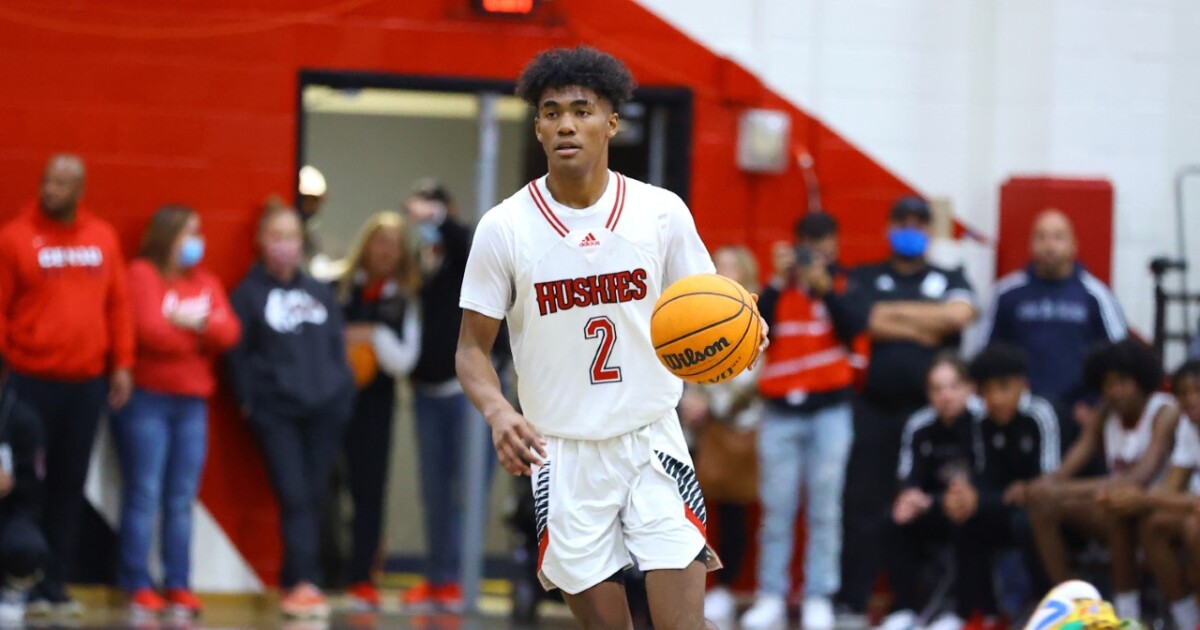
pixel 291 359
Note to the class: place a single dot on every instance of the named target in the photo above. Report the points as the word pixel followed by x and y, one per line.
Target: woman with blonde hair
pixel 725 416
pixel 377 289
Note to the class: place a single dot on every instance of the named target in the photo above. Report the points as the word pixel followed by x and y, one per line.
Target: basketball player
pixel 1135 430
pixel 576 261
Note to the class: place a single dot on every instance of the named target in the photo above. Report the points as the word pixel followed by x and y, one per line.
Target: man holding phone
pixel 805 435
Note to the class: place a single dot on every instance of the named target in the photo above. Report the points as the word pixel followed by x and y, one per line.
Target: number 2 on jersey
pixel 602 327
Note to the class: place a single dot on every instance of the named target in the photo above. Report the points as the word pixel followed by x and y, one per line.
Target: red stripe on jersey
pixel 544 208
pixel 618 204
pixel 542 545
pixel 695 520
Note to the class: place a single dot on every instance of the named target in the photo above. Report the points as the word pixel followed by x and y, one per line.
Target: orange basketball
pixel 706 328
pixel 361 357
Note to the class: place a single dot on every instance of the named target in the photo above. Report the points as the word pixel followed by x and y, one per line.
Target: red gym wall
pixel 1087 202
pixel 197 102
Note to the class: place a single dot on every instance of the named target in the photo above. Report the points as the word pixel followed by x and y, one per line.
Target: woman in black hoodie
pixel 292 382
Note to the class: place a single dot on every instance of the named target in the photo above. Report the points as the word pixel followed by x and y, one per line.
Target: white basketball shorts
pixel 599 501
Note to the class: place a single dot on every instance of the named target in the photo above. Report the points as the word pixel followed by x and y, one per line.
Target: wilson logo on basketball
pixel 689 357
pixel 589 241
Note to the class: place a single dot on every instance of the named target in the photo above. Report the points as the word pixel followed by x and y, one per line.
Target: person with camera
pixel 805 435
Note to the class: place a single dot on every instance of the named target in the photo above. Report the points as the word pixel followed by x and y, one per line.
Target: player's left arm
pixel 1161 442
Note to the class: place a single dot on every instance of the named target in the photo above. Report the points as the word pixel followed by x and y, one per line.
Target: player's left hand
pixel 764 340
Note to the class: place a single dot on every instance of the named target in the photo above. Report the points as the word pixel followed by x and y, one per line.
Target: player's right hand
pixel 519 447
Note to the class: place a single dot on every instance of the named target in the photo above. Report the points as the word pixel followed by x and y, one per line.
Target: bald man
pixel 66 334
pixel 1054 310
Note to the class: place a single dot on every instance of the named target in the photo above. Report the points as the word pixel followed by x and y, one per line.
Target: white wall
pixel 956 96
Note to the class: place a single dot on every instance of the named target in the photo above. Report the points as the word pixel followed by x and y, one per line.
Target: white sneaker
pixel 719 604
pixel 899 620
pixel 817 614
pixel 769 612
pixel 946 621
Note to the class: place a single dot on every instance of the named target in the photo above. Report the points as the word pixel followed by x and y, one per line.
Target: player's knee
pixel 1191 530
pixel 606 618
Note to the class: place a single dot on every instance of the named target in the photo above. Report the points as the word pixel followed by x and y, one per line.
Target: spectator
pixel 912 310
pixel 64 324
pixel 726 415
pixel 1014 440
pixel 936 447
pixel 805 435
pixel 292 383
pixel 183 320
pixel 1135 428
pixel 312 189
pixel 442 408
pixel 1170 513
pixel 23 548
pixel 378 292
pixel 1054 310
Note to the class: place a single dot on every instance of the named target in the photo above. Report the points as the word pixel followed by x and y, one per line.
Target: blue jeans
pixel 802 452
pixel 161 440
pixel 442 425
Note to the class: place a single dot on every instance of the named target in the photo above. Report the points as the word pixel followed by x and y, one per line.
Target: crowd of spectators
pixel 901 453
pixel 973 478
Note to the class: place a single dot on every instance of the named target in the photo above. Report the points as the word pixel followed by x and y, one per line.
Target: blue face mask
pixel 429 233
pixel 908 242
pixel 191 252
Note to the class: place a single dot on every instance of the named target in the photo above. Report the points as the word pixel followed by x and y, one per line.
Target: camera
pixel 804 255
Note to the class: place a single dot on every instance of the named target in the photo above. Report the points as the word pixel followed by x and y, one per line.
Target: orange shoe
pixel 145 601
pixel 420 598
pixel 364 596
pixel 305 601
pixel 449 597
pixel 184 602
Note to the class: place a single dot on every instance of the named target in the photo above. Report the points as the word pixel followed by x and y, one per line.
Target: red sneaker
pixel 364 596
pixel 420 598
pixel 449 597
pixel 145 601
pixel 305 602
pixel 184 602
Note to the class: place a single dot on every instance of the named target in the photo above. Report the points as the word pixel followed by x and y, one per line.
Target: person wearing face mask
pixel 911 310
pixel 183 320
pixel 292 382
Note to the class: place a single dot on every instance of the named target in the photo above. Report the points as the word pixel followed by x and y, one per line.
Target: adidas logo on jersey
pixel 589 241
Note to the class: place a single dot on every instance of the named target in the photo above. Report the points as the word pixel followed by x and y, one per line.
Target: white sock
pixel 1128 605
pixel 1185 612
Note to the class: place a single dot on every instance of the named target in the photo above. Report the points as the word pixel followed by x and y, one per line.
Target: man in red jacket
pixel 66 333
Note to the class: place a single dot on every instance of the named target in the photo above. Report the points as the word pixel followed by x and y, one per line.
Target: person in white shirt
pixel 575 262
pixel 1170 512
pixel 1134 428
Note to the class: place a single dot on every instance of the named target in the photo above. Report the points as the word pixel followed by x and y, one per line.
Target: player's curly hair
pixel 583 66
pixel 997 361
pixel 1128 357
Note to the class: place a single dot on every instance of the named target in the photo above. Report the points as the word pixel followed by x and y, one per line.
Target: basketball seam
pixel 700 330
pixel 737 299
pixel 729 355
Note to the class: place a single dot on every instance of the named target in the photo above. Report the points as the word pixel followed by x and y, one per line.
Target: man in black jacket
pixel 1015 443
pixel 23 548
pixel 442 409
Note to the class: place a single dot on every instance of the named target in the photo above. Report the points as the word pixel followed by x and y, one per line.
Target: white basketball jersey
pixel 1123 447
pixel 578 288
